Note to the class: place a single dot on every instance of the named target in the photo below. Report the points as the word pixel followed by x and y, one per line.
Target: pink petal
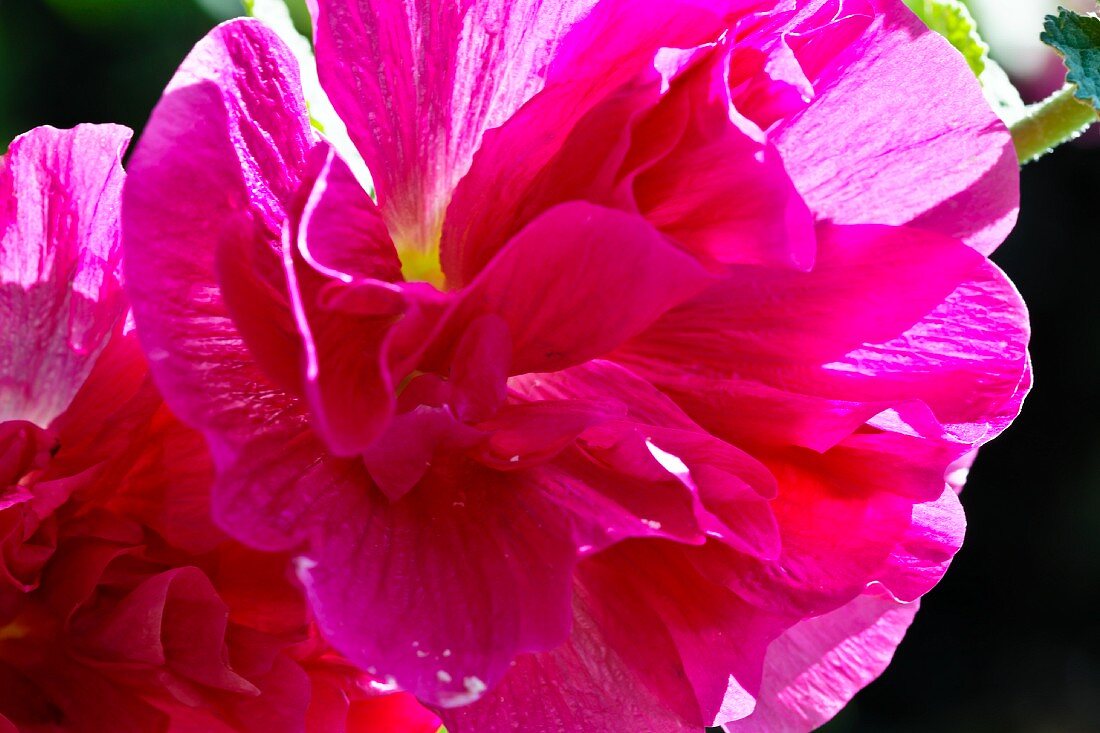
pixel 966 360
pixel 902 524
pixel 815 668
pixel 60 293
pixel 654 442
pixel 868 284
pixel 443 73
pixel 863 331
pixel 214 170
pixel 633 152
pixel 675 665
pixel 348 382
pixel 939 157
pixel 450 602
pixel 575 283
pixel 718 191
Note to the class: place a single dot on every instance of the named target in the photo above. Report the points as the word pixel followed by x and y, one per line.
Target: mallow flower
pixel 638 398
pixel 122 607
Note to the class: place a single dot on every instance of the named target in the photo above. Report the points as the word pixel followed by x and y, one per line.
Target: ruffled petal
pixel 649 148
pixel 418 84
pixel 938 158
pixel 60 290
pixel 451 602
pixel 674 663
pixel 860 334
pixel 815 668
pixel 339 265
pixel 902 524
pixel 214 170
pixel 576 282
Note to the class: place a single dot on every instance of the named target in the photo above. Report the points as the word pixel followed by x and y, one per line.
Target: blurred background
pixel 1010 640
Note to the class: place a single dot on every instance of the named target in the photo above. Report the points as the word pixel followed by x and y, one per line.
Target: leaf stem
pixel 1059 118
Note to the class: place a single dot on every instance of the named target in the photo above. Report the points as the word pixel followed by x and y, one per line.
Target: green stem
pixel 1059 118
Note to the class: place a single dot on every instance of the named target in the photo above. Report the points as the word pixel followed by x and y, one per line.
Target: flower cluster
pixel 634 393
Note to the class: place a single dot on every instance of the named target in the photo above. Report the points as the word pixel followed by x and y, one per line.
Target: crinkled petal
pixel 815 668
pixel 938 157
pixel 215 168
pixel 861 333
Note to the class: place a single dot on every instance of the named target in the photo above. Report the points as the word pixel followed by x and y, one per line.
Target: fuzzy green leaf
pixel 1077 39
pixel 952 20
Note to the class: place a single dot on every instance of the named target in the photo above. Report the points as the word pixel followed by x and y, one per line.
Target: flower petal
pixel 676 664
pixel 60 290
pixel 575 283
pixel 418 83
pixel 450 602
pixel 815 668
pixel 216 167
pixel 863 331
pixel 938 158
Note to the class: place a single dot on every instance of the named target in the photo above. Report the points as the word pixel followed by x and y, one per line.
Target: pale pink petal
pixel 938 156
pixel 60 291
pixel 815 668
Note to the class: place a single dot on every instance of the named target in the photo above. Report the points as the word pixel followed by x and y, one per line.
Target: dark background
pixel 1010 640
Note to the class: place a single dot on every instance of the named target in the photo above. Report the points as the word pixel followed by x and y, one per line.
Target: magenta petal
pixel 341 233
pixel 869 284
pixel 277 483
pixel 215 169
pixel 578 281
pixel 335 249
pixel 675 665
pixel 888 318
pixel 967 360
pixel 887 491
pixel 419 83
pixel 815 668
pixel 444 587
pixel 60 290
pixel 938 156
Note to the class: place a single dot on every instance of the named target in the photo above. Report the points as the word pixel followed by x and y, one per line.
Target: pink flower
pixel 122 607
pixel 630 404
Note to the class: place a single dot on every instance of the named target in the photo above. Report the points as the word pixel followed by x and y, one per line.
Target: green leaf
pixel 952 20
pixel 1077 39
